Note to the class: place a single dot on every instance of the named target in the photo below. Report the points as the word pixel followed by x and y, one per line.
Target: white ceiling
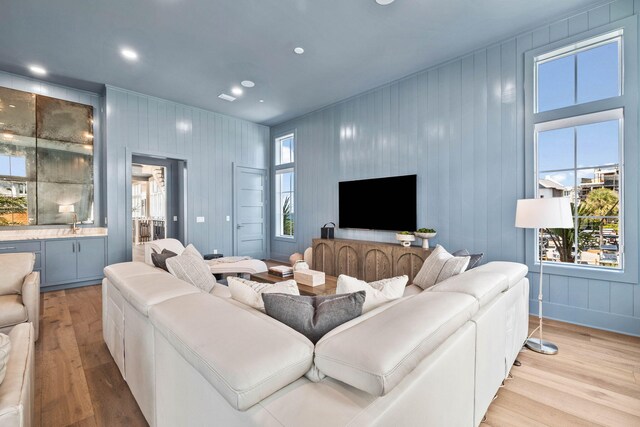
pixel 192 50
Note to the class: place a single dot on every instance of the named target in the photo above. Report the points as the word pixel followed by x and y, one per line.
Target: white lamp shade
pixel 554 212
pixel 66 209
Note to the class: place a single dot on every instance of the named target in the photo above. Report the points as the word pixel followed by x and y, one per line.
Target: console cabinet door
pixel 60 261
pixel 91 253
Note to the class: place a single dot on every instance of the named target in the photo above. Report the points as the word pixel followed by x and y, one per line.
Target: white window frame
pixel 627 102
pixel 280 168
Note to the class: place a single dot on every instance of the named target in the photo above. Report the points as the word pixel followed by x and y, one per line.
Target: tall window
pixel 578 147
pixel 285 186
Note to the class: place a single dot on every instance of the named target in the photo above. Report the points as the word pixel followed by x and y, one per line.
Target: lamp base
pixel 541 346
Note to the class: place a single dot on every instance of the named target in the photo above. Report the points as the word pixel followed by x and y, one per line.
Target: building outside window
pixel 578 148
pixel 285 186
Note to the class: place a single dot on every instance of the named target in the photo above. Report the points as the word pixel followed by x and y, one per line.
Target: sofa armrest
pixel 31 300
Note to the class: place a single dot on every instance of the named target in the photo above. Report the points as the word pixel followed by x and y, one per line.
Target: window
pixel 285 186
pixel 14 166
pixel 578 149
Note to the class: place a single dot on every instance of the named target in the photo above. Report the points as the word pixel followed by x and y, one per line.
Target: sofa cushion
pixel 160 259
pixel 439 266
pixel 5 348
pixel 260 355
pixel 378 292
pixel 15 267
pixel 191 250
pixel 314 316
pixel 12 311
pixel 158 245
pixel 483 286
pixel 474 259
pixel 250 293
pixel 193 270
pixel 16 392
pixel 412 290
pixel 374 355
pixel 143 286
pixel 513 270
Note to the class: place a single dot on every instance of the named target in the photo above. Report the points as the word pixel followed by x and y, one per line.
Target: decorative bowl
pixel 405 239
pixel 425 238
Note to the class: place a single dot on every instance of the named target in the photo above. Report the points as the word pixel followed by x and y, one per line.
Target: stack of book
pixel 281 271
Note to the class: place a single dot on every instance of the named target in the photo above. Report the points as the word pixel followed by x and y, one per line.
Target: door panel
pixel 60 261
pixel 90 257
pixel 250 212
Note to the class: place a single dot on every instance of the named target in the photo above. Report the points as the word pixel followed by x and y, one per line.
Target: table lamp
pixel 542 213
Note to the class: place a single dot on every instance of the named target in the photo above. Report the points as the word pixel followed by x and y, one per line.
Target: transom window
pixel 285 186
pixel 578 153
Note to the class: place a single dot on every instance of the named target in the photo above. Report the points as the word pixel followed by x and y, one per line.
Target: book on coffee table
pixel 281 271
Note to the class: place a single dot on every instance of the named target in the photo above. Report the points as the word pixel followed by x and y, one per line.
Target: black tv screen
pixel 378 204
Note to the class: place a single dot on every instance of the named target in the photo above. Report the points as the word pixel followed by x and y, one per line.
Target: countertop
pixel 50 233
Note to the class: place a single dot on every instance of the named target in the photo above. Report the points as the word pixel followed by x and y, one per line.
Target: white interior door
pixel 250 212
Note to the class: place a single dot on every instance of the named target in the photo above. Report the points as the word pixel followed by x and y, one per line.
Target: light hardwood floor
pixel 594 380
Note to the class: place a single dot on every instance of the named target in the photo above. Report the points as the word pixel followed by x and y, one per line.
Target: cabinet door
pixel 60 261
pixel 91 253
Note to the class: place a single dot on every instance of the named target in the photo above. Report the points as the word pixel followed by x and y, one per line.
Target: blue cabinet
pixel 60 261
pixel 91 255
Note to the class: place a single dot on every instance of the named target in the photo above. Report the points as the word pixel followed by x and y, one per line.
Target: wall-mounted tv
pixel 378 204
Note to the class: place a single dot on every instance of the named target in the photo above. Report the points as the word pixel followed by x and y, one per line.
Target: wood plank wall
pixel 460 127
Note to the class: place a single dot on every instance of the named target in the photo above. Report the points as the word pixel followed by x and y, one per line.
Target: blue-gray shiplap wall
pixel 210 142
pixel 40 87
pixel 460 128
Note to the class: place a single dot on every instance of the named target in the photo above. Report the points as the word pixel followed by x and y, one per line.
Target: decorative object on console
pixel 160 259
pixel 5 348
pixel 250 293
pixel 295 258
pixel 281 271
pixel 439 266
pixel 190 269
pixel 378 293
pixel 327 230
pixel 425 234
pixel 554 212
pixel 474 260
pixel 300 265
pixel 405 238
pixel 314 316
pixel 309 277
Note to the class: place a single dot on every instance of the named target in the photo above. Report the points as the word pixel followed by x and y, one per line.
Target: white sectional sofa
pixel 434 357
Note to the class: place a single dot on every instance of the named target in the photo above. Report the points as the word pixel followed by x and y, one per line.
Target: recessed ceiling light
pixel 12 106
pixel 247 83
pixel 36 69
pixel 236 91
pixel 298 50
pixel 384 2
pixel 262 100
pixel 129 54
pixel 226 97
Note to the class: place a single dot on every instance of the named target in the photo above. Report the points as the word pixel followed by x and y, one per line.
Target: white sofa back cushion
pixel 172 245
pixel 378 293
pixel 15 267
pixel 483 286
pixel 375 354
pixel 5 348
pixel 514 271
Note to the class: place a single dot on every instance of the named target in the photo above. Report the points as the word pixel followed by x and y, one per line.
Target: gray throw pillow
pixel 474 259
pixel 160 259
pixel 314 316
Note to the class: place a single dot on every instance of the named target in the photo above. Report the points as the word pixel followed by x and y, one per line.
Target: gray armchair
pixel 19 292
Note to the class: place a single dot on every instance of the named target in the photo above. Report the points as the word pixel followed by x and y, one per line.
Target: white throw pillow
pixel 250 293
pixel 191 250
pixel 5 348
pixel 378 293
pixel 439 266
pixel 192 270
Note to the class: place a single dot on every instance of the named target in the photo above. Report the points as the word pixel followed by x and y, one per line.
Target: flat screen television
pixel 378 204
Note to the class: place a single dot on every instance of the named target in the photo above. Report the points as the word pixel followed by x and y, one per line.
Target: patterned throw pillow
pixel 439 266
pixel 160 259
pixel 5 348
pixel 192 270
pixel 314 316
pixel 378 293
pixel 474 260
pixel 250 293
pixel 191 250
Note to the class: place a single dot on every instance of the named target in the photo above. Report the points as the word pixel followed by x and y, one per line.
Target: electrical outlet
pixel 175 218
pixel 228 218
pixel 200 219
pixel 215 251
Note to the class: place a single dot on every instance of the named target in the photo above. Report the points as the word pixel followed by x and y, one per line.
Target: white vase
pixel 425 238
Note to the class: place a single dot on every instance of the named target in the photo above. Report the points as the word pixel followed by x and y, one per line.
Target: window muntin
pixel 587 168
pixel 285 186
pixel 583 72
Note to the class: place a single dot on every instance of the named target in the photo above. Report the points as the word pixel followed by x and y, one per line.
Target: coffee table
pixel 329 287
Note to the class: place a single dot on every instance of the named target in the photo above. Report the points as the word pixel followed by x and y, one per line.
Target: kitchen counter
pixel 50 233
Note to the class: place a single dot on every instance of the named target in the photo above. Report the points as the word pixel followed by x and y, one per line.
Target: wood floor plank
pixel 593 380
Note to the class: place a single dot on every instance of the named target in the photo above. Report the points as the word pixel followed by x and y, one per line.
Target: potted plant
pixel 405 238
pixel 425 234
